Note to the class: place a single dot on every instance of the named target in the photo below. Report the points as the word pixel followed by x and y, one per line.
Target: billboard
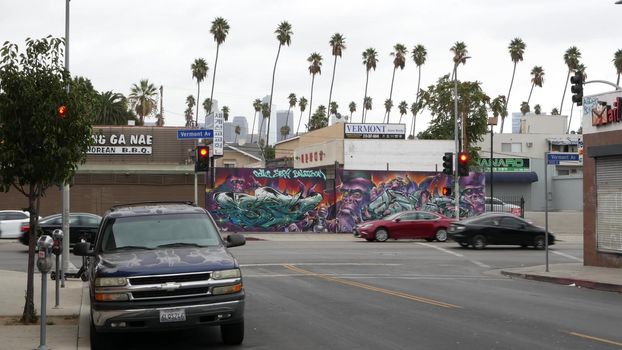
pixel 374 131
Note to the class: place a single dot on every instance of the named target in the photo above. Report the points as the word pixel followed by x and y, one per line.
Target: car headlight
pixel 110 282
pixel 226 274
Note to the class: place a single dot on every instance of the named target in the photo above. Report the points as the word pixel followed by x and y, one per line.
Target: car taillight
pixel 25 228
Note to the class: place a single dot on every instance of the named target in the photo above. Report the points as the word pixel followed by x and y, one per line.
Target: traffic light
pixel 463 164
pixel 201 162
pixel 447 191
pixel 62 111
pixel 577 88
pixel 448 163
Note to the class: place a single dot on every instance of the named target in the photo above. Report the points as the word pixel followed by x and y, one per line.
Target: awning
pixel 563 141
pixel 512 177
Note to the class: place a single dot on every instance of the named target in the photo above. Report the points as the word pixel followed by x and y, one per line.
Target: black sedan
pixel 498 229
pixel 81 226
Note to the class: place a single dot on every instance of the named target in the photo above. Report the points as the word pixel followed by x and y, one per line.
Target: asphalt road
pixel 403 295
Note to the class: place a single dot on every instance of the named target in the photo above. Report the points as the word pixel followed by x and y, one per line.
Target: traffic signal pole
pixel 65 190
pixel 456 137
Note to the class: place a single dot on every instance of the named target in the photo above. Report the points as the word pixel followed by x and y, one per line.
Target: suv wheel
pixel 99 341
pixel 232 334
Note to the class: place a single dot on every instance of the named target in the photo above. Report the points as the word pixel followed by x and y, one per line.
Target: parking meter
pixel 57 235
pixel 44 253
pixel 57 249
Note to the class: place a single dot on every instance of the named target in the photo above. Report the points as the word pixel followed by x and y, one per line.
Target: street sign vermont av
pixel 556 158
pixel 195 134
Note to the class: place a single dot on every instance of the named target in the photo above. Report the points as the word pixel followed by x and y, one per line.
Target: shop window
pixel 563 172
pixel 229 164
pixel 514 147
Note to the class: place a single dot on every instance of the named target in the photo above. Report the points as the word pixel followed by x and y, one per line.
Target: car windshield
pixel 392 216
pixel 154 231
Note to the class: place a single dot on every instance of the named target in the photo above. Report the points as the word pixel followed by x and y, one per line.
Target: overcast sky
pixel 116 43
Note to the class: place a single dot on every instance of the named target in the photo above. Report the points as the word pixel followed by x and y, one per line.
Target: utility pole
pixel 65 191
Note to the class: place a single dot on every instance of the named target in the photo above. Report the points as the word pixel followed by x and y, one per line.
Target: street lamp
pixel 492 121
pixel 457 137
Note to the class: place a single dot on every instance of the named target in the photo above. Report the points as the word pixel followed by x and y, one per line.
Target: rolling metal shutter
pixel 609 204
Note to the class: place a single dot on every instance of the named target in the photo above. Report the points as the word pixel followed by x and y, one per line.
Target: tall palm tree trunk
pixel 412 131
pixel 196 120
pixel 278 52
pixel 261 127
pixel 618 82
pixel 391 92
pixel 530 91
pixel 211 95
pixel 299 122
pixel 330 94
pixel 311 101
pixel 570 119
pixel 287 119
pixel 564 95
pixel 253 128
pixel 507 101
pixel 365 98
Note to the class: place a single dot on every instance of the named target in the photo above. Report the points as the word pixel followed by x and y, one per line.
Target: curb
pixel 607 287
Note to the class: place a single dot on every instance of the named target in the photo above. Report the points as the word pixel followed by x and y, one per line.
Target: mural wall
pixel 289 200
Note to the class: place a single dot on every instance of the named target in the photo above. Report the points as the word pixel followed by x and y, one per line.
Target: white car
pixel 500 206
pixel 11 221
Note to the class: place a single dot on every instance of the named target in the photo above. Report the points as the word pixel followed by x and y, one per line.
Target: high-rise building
pixel 243 124
pixel 209 119
pixel 283 119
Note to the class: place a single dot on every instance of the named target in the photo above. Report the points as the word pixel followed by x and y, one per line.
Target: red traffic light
pixel 463 158
pixel 203 152
pixel 446 191
pixel 62 111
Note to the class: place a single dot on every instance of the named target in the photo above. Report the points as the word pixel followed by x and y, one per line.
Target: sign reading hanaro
pixel 121 144
pixel 374 131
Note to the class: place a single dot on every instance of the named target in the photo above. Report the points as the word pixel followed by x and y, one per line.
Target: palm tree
pixel 403 108
pixel 333 108
pixel 338 44
pixel 524 107
pixel 414 109
pixel 460 54
pixel 302 103
pixel 419 55
pixel 388 104
pixel 517 49
pixel 284 36
pixel 219 29
pixel 581 70
pixel 237 131
pixel 190 102
pixel 617 62
pixel 537 78
pixel 537 109
pixel 144 99
pixel 319 119
pixel 257 107
pixel 199 72
pixel 265 113
pixel 225 113
pixel 284 131
pixel 315 68
pixel 370 60
pixel 398 61
pixel 292 103
pixel 367 105
pixel 111 109
pixel 555 111
pixel 571 58
pixel 498 106
pixel 207 105
pixel 352 108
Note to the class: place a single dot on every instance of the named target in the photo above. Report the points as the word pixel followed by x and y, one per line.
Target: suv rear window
pixel 151 231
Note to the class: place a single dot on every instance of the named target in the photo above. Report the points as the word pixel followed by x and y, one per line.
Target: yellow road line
pixel 372 288
pixel 585 336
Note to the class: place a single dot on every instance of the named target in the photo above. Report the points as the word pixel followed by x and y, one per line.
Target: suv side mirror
pixel 235 240
pixel 83 249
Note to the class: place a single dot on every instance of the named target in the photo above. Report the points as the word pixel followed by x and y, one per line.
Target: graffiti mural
pixel 295 200
pixel 269 199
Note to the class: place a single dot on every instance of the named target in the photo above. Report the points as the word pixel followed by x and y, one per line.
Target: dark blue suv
pixel 161 266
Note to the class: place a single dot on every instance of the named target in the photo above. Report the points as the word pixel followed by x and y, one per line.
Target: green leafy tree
pixel 399 61
pixel 40 149
pixel 571 59
pixel 111 109
pixel 199 72
pixel 257 108
pixel 419 55
pixel 473 105
pixel 220 30
pixel 315 67
pixel 403 108
pixel 225 113
pixel 516 49
pixel 292 100
pixel 617 62
pixel 352 108
pixel 144 99
pixel 190 102
pixel 370 60
pixel 537 79
pixel 319 119
pixel 338 44
pixel 284 36
pixel 302 103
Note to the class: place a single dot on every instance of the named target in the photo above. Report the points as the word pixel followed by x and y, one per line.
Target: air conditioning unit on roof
pixel 529 144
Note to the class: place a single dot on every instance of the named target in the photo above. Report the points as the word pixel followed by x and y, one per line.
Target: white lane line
pixel 566 256
pixel 246 275
pixel 317 264
pixel 478 263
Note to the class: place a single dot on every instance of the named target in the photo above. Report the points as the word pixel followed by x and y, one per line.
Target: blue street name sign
pixel 555 158
pixel 195 134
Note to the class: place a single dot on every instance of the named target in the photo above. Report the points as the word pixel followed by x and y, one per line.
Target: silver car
pixel 498 205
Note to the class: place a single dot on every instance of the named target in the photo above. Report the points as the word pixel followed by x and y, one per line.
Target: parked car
pixel 496 205
pixel 10 222
pixel 408 224
pixel 81 226
pixel 498 229
pixel 162 266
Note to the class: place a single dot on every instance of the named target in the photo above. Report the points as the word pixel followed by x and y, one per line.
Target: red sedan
pixel 407 224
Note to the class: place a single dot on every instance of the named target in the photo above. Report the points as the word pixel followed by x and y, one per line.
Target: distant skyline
pixel 116 43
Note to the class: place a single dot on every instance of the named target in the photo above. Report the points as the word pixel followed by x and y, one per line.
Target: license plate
pixel 173 315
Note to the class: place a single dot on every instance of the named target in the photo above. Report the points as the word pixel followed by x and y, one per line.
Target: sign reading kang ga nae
pixel 374 131
pixel 219 134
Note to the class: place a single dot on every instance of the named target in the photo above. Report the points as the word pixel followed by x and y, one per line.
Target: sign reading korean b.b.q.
pixel 139 144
